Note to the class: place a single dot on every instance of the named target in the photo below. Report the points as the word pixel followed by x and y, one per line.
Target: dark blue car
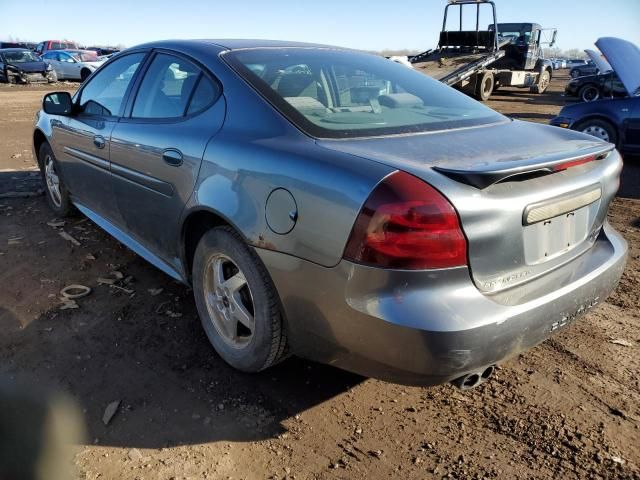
pixel 19 65
pixel 615 120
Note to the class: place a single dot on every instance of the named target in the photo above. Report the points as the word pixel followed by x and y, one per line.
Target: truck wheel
pixel 484 86
pixel 600 129
pixel 543 82
pixel 589 93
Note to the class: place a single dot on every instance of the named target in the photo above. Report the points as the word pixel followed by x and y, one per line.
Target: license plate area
pixel 555 236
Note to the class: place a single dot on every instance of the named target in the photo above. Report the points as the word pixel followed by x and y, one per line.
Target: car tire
pixel 543 82
pixel 84 74
pixel 601 129
pixel 56 191
pixel 484 86
pixel 238 304
pixel 589 93
pixel 574 73
pixel 53 77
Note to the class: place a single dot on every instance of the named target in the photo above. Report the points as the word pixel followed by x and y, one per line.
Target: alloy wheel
pixel 229 301
pixel 544 82
pixel 52 180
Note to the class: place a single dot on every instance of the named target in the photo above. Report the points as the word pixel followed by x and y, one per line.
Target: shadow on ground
pixel 150 353
pixel 630 178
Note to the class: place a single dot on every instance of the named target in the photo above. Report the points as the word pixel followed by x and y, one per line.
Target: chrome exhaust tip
pixel 473 379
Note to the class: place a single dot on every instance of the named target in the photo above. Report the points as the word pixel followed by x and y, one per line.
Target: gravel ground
pixel 569 408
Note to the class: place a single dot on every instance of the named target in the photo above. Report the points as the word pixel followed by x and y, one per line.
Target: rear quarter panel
pixel 258 151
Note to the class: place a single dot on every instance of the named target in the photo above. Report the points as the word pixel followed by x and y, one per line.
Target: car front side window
pixel 104 94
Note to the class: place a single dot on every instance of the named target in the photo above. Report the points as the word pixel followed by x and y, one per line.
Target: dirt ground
pixel 569 408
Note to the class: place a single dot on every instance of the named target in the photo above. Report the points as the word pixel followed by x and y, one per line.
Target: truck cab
pixel 523 50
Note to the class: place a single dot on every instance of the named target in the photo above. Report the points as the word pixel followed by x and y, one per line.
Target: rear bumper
pixel 427 328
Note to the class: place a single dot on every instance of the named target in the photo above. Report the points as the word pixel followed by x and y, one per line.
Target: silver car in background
pixel 73 64
pixel 338 206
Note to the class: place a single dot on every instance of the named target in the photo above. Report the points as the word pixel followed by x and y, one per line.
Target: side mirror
pixel 57 103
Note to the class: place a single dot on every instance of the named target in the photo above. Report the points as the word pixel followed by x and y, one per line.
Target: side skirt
pixel 131 243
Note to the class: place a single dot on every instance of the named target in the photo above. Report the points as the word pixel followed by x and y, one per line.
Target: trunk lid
pixel 523 212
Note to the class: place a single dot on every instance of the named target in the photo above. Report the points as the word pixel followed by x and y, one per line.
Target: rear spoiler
pixel 484 176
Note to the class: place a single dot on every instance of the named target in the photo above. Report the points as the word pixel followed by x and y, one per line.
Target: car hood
pixel 30 67
pixel 624 57
pixel 509 146
pixel 599 61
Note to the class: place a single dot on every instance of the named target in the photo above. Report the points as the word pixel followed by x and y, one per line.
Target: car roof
pixel 70 50
pixel 233 44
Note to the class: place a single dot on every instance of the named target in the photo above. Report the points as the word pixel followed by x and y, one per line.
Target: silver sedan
pixel 73 64
pixel 338 206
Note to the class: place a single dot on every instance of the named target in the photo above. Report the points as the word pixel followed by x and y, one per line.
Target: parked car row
pixel 595 80
pixel 49 60
pixel 562 63
pixel 615 119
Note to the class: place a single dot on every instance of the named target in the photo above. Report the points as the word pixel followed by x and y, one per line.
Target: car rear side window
pixel 166 89
pixel 205 94
pixel 105 92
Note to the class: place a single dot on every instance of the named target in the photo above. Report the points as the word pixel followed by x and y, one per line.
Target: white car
pixel 73 64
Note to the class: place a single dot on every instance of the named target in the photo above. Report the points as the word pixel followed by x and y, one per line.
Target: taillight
pixel 407 224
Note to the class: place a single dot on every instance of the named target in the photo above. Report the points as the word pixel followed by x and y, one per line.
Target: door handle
pixel 173 157
pixel 98 141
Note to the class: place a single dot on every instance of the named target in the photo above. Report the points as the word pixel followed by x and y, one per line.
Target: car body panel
pixel 421 326
pixel 622 113
pixel 624 57
pixel 84 166
pixel 497 224
pixel 422 329
pixel 159 190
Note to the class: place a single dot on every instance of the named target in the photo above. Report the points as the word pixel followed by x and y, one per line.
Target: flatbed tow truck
pixel 480 61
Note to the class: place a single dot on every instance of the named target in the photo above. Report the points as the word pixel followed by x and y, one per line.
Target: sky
pixel 360 24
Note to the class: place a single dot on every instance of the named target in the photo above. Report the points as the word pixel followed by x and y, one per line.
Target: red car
pixel 55 45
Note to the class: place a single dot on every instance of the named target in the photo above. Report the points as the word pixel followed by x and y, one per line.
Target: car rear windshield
pixel 340 94
pixel 85 56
